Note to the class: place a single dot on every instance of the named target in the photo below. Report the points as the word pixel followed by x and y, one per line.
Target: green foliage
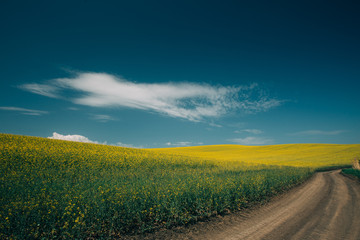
pixel 352 171
pixel 325 169
pixel 60 189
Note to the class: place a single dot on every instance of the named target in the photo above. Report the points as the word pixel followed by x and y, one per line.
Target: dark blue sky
pixel 175 73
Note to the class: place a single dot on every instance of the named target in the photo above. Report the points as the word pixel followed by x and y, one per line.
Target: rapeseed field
pixel 54 189
pixel 298 155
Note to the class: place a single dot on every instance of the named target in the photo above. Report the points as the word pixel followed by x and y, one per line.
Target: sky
pixel 155 74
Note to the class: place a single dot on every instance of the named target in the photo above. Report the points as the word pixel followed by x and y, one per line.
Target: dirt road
pixel 325 207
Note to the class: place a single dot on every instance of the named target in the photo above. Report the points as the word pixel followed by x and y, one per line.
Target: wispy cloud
pixel 25 111
pixel 215 125
pixel 178 144
pixel 102 117
pixel 182 144
pixel 252 141
pixel 191 101
pixel 120 144
pixel 317 132
pixel 48 90
pixel 252 131
pixel 75 138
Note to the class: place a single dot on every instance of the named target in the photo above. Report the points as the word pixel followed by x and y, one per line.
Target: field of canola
pixel 60 189
pixel 298 155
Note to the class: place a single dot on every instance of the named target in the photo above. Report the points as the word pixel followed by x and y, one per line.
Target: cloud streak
pixel 183 144
pixel 192 101
pixel 25 111
pixel 120 144
pixel 317 132
pixel 252 131
pixel 42 89
pixel 102 117
pixel 252 141
pixel 178 144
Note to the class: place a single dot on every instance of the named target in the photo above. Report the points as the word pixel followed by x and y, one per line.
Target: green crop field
pixel 61 189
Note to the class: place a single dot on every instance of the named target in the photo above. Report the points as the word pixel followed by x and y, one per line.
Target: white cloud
pixel 75 138
pixel 252 131
pixel 126 145
pixel 191 101
pixel 252 141
pixel 102 117
pixel 25 111
pixel 47 90
pixel 80 138
pixel 317 132
pixel 182 144
pixel 215 125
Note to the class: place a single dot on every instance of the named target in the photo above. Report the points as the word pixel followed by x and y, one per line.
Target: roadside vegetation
pixel 355 170
pixel 352 171
pixel 60 189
